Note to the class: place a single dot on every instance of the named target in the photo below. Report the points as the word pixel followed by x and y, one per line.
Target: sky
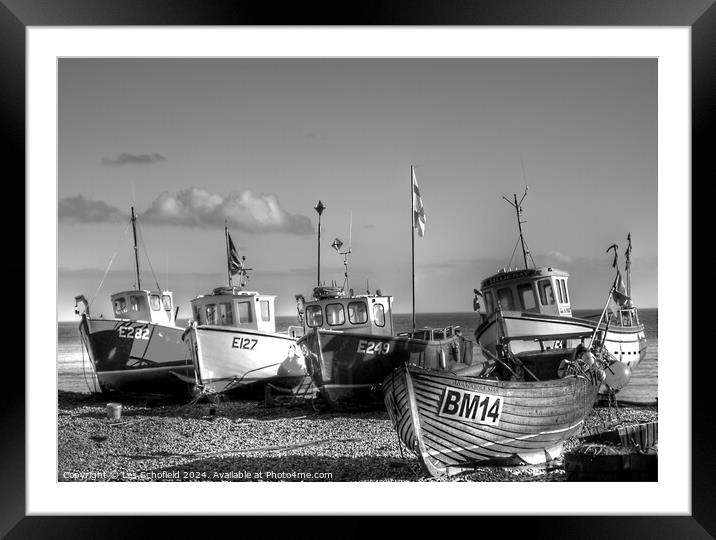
pixel 192 143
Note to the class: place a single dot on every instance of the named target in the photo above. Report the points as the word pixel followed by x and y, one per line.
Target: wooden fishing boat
pixel 139 351
pixel 454 421
pixel 233 340
pixel 536 302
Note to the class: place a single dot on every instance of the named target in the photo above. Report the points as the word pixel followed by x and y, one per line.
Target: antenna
pixel 337 244
pixel 517 205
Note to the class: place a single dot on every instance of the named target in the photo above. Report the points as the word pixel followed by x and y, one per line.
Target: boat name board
pixel 373 347
pixel 244 343
pixel 508 276
pixel 130 332
pixel 461 404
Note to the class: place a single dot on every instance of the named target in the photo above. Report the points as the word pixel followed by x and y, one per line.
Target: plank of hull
pixel 531 427
pixel 138 358
pixel 230 359
pixel 349 368
pixel 628 345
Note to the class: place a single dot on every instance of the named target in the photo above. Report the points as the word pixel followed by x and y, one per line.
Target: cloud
pixel 196 207
pixel 133 159
pixel 81 210
pixel 557 256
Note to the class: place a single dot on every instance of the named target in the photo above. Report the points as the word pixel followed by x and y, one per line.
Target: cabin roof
pixel 506 275
pixel 141 291
pixel 233 292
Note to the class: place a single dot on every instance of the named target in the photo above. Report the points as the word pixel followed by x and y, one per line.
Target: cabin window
pixel 504 297
pixel 448 332
pixel 357 313
pixel 546 294
pixel 527 296
pixel 244 312
pixel 563 286
pixel 211 314
pixel 197 314
pixel 423 334
pixel 265 310
pixel 314 316
pixel 439 334
pixel 120 305
pixel 379 314
pixel 137 303
pixel 335 314
pixel 226 314
pixel 558 282
pixel 154 302
pixel 489 303
pixel 167 302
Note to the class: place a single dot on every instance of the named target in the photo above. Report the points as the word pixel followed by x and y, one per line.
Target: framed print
pixel 224 311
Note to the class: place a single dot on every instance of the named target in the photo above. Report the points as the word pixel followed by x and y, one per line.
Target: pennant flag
pixel 418 208
pixel 619 295
pixel 234 261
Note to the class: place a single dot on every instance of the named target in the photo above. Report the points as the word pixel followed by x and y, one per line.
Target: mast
pixel 228 253
pixel 628 265
pixel 518 210
pixel 320 207
pixel 136 251
pixel 412 240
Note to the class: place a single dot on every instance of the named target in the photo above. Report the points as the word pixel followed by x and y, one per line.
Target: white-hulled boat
pixel 535 303
pixel 233 340
pixel 138 351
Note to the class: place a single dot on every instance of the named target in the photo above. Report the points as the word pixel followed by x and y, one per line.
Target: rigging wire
pixel 111 260
pixel 144 248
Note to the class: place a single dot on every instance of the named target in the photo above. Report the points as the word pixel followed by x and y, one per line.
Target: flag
pixel 628 249
pixel 418 208
pixel 619 295
pixel 234 261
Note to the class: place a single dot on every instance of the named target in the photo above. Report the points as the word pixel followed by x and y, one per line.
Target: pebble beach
pixel 250 441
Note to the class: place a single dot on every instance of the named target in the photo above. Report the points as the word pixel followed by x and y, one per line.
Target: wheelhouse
pixel 333 310
pixel 142 305
pixel 236 308
pixel 536 290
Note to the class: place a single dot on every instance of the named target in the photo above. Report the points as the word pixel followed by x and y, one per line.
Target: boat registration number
pixel 373 347
pixel 462 404
pixel 131 332
pixel 244 343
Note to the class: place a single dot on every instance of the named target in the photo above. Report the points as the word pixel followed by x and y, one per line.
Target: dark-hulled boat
pixel 349 356
pixel 139 351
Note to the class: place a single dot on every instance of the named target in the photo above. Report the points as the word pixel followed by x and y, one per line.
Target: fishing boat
pixel 350 343
pixel 454 421
pixel 139 350
pixel 233 340
pixel 535 301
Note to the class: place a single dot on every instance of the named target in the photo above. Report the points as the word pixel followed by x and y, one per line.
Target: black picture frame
pixel 17 15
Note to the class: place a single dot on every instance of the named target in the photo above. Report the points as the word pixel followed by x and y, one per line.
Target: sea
pixel 74 370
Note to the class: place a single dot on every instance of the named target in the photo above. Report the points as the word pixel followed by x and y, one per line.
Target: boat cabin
pixel 237 308
pixel 142 305
pixel 332 309
pixel 537 290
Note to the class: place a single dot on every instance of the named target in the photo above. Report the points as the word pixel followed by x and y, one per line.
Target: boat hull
pixel 348 368
pixel 455 423
pixel 626 344
pixel 230 360
pixel 138 358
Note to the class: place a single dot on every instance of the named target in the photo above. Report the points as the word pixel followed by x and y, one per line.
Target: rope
pixel 84 373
